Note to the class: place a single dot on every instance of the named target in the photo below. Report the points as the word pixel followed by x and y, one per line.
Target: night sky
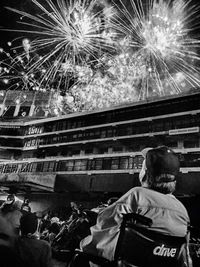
pixel 9 19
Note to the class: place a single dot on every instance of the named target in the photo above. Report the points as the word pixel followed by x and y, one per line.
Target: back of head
pixel 28 223
pixel 54 228
pixel 10 206
pixel 162 166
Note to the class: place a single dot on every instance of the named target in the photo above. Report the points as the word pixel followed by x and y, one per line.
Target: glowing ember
pixel 158 37
pixel 94 55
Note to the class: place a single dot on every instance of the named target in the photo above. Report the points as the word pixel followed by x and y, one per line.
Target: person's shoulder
pixel 35 242
pixel 138 189
pixel 140 192
pixel 43 243
pixel 135 192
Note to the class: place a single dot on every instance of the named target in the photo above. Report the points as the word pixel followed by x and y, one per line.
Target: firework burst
pixel 160 50
pixel 70 37
pixel 100 55
pixel 14 67
pixel 16 71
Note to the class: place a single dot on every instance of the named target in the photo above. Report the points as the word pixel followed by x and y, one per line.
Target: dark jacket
pixel 34 252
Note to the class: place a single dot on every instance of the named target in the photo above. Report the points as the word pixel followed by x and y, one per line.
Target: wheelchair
pixel 140 247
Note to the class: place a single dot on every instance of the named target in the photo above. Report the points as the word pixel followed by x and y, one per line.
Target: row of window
pixel 120 130
pixel 12 131
pixel 98 164
pixel 134 128
pixel 165 124
pixel 115 163
pixel 191 102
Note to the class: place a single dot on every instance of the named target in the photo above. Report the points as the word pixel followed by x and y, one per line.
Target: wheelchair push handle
pixel 138 218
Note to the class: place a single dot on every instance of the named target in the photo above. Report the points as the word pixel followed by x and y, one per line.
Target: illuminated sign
pixel 184 131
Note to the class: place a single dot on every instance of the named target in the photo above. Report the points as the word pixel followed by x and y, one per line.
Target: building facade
pixel 96 152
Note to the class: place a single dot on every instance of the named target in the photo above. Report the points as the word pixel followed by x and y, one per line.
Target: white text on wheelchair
pixel 164 251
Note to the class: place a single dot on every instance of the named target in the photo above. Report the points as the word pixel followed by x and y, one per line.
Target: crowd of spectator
pixel 26 240
pixel 43 242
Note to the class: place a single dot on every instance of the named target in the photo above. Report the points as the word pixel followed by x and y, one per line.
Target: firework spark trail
pixel 14 70
pixel 159 33
pixel 75 32
pixel 143 49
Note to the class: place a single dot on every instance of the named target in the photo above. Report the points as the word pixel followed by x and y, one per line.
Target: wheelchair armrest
pixel 91 257
pixel 141 219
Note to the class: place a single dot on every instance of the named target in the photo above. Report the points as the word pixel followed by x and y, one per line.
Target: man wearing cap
pixel 153 199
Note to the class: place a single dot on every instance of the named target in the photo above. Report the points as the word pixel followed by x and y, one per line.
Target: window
pixel 106 164
pixel 39 167
pixel 1 168
pixel 66 165
pixel 103 134
pixel 33 142
pixel 110 132
pixel 115 164
pixel 46 166
pixel 63 138
pixel 158 126
pixel 60 125
pixel 27 143
pixel 51 166
pixel 124 163
pixel 42 141
pixel 91 164
pixel 54 127
pixel 191 142
pixel 69 165
pixel 97 133
pixel 34 167
pixel 89 150
pixel 191 160
pixel 98 164
pixel 80 165
pixel 8 168
pixel 117 149
pixel 24 167
pixel 136 162
pixel 54 139
pixel 14 168
pixel 74 137
pixel 80 136
pixel 122 130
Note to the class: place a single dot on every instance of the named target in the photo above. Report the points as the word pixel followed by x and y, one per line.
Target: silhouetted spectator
pixel 11 211
pixel 33 252
pixel 25 206
pixel 9 223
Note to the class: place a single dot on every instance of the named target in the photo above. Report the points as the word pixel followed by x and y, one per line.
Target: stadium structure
pixel 98 151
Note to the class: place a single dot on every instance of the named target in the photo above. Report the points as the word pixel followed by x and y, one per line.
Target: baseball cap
pixel 162 163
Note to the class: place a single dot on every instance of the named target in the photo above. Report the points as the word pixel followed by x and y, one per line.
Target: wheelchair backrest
pixel 140 246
